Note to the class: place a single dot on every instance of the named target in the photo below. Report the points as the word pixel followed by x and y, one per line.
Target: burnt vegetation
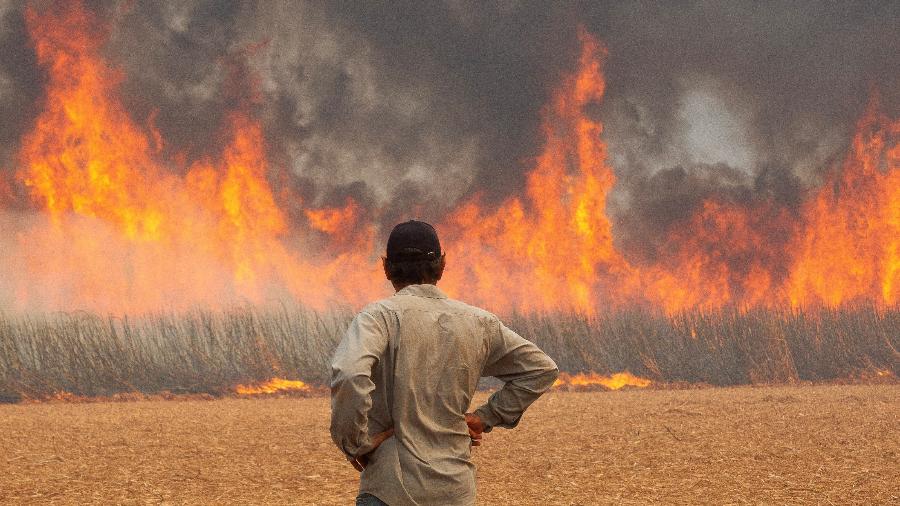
pixel 208 352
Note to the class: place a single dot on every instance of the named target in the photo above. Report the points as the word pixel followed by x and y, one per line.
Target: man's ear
pixel 441 265
pixel 387 272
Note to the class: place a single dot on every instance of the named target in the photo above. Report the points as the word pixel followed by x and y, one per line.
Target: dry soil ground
pixel 799 445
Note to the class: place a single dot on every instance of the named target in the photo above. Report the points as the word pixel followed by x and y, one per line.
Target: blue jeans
pixel 369 500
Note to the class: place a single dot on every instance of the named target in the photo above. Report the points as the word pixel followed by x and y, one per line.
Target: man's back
pixel 417 357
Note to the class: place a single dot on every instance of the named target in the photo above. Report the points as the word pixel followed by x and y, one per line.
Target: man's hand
pixel 360 463
pixel 476 428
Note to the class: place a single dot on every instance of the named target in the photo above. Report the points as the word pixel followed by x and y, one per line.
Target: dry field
pixel 772 445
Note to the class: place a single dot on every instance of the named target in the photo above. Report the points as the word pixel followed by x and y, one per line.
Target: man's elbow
pixel 553 373
pixel 550 373
pixel 344 435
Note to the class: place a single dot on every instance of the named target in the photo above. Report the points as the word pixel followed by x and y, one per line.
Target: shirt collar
pixel 429 291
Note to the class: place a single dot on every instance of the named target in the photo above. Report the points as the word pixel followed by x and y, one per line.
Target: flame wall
pixel 109 211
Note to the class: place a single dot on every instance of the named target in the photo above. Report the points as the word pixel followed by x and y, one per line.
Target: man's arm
pixel 527 372
pixel 351 384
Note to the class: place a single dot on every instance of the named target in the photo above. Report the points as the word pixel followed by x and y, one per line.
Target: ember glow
pixel 119 227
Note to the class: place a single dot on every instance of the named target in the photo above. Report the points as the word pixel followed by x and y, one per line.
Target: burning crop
pixel 119 227
pixel 107 215
pixel 122 230
pixel 613 382
pixel 273 386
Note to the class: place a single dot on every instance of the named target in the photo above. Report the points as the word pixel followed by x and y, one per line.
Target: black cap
pixel 413 241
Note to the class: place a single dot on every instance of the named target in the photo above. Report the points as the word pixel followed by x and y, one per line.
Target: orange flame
pixel 123 229
pixel 614 382
pixel 274 385
pixel 334 221
pixel 553 251
pixel 722 256
pixel 126 232
pixel 850 249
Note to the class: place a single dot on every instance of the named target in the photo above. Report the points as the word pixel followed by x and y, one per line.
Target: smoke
pixel 410 107
pixel 21 83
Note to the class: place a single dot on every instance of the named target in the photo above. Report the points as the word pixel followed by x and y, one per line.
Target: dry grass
pixel 210 352
pixel 764 445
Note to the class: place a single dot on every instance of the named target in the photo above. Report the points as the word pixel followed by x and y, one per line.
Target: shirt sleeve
pixel 527 372
pixel 351 383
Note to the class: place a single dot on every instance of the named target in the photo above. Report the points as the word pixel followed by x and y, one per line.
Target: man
pixel 404 376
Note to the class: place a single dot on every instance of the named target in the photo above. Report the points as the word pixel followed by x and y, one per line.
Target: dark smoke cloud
pixel 21 84
pixel 414 105
pixel 798 73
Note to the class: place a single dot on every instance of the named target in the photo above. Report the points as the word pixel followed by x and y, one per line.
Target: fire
pixel 722 256
pixel 120 227
pixel 126 231
pixel 553 249
pixel 614 382
pixel 850 249
pixel 334 221
pixel 274 385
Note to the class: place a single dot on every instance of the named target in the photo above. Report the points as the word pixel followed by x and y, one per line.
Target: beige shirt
pixel 412 362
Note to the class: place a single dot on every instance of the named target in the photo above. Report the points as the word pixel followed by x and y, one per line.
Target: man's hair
pixel 414 272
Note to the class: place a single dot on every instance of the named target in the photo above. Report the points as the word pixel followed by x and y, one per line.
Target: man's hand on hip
pixel 360 463
pixel 476 428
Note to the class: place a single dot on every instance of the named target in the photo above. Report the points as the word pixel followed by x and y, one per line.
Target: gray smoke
pixel 415 105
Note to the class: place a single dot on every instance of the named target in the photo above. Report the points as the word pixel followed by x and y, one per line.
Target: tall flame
pixel 850 248
pixel 125 231
pixel 122 228
pixel 554 249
